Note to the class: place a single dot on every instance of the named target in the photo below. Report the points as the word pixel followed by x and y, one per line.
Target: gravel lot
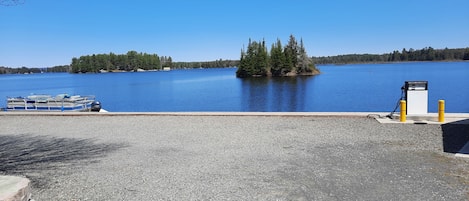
pixel 233 158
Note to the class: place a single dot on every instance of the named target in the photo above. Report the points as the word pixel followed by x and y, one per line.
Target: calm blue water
pixel 346 88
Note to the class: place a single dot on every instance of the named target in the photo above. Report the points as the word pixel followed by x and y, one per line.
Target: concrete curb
pixel 14 188
pixel 430 118
pixel 293 114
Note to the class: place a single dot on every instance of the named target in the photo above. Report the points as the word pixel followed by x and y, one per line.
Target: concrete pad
pixel 408 121
pixel 430 118
pixel 14 188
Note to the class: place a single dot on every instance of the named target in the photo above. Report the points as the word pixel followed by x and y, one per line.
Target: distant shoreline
pixel 391 62
pixel 325 64
pixel 25 70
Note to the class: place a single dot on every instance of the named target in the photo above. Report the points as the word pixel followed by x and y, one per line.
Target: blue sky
pixel 41 33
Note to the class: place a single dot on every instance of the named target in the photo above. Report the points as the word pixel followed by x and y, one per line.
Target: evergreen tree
pixel 243 66
pixel 277 59
pixel 291 54
pixel 255 61
pixel 304 62
pixel 247 63
pixel 262 59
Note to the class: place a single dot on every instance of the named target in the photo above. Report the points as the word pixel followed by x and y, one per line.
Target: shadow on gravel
pixel 33 156
pixel 455 135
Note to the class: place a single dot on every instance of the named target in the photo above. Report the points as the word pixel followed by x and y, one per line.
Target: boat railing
pixel 43 103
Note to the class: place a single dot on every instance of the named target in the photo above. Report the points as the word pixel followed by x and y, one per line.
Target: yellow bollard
pixel 403 115
pixel 441 111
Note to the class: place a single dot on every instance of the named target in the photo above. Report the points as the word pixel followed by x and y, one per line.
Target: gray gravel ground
pixel 231 158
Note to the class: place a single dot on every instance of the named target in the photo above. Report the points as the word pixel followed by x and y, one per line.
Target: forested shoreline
pixel 425 54
pixel 118 62
pixel 133 60
pixel 26 70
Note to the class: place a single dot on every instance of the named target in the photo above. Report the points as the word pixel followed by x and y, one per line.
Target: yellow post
pixel 403 116
pixel 441 111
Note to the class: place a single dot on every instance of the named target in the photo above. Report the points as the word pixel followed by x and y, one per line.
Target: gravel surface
pixel 232 158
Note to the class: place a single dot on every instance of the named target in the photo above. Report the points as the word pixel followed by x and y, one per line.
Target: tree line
pixel 25 70
pixel 256 61
pixel 425 54
pixel 290 60
pixel 132 61
pixel 206 64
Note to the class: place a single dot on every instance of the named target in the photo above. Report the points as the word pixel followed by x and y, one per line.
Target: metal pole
pixel 403 116
pixel 441 111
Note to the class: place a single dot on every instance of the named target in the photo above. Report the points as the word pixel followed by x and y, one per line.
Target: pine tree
pixel 291 54
pixel 277 59
pixel 243 65
pixel 303 59
pixel 254 62
pixel 262 59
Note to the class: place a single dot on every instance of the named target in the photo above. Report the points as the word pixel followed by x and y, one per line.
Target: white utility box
pixel 416 93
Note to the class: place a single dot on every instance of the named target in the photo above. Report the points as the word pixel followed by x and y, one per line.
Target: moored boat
pixel 61 102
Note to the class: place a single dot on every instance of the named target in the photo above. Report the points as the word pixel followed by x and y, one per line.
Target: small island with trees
pixel 291 60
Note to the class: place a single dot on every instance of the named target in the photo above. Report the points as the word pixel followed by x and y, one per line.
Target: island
pixel 291 60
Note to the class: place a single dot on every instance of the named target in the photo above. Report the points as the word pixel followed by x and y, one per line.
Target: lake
pixel 340 88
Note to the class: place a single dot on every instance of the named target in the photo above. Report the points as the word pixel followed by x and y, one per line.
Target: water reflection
pixel 253 94
pixel 279 94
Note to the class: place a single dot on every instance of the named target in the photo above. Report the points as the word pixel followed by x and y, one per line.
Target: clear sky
pixel 42 33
